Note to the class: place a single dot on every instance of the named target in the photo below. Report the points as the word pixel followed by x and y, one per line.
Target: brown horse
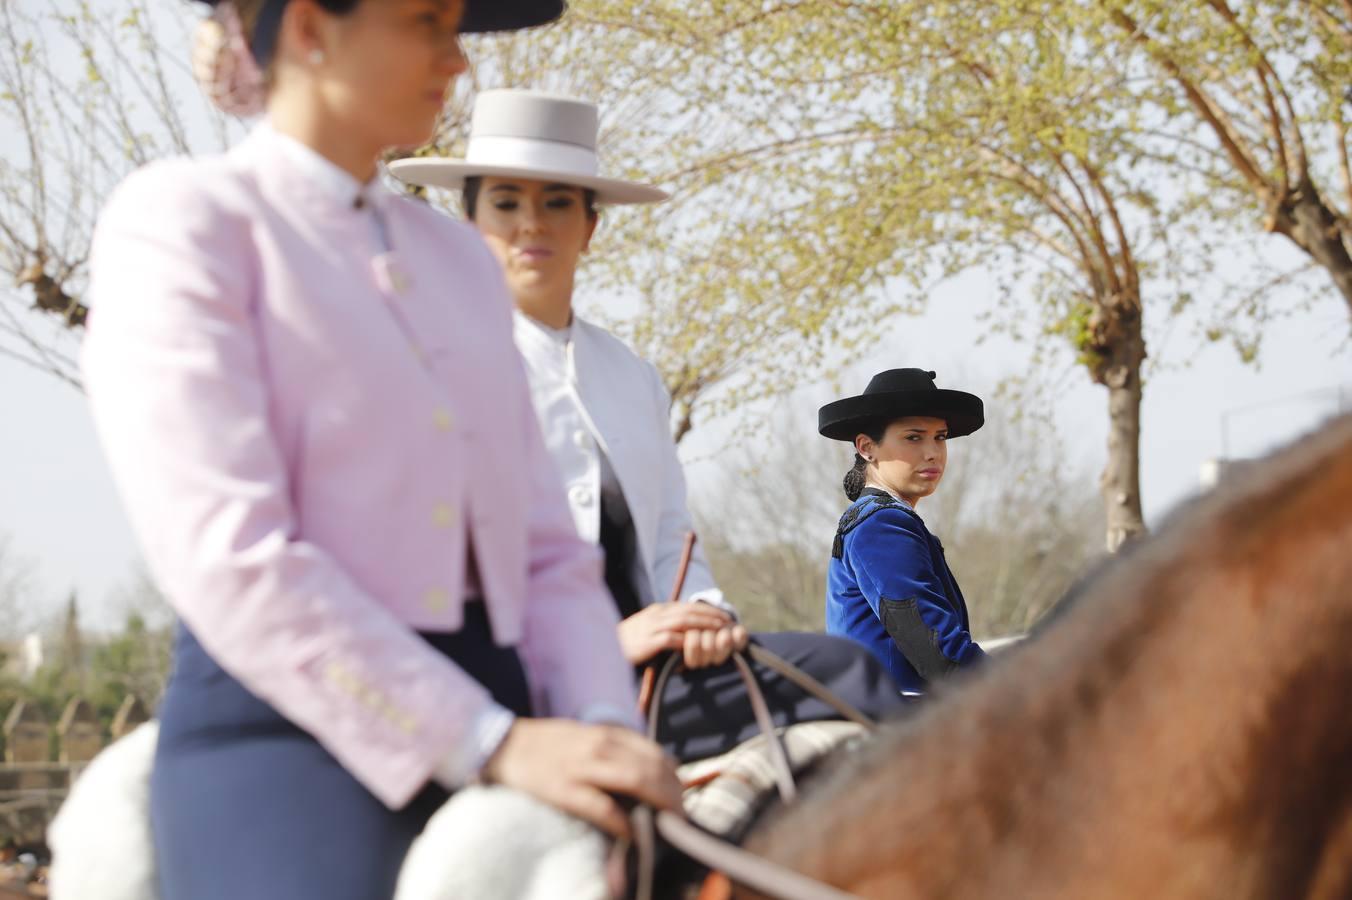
pixel 1183 730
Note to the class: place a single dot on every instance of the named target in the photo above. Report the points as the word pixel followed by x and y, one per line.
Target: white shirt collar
pixel 560 336
pixel 330 178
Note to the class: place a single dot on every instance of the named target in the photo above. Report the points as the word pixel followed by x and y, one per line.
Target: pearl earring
pixel 316 57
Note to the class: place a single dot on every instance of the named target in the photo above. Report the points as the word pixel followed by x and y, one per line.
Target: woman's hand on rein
pixel 579 768
pixel 668 626
pixel 704 647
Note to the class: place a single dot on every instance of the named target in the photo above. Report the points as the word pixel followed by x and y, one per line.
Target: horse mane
pixel 1179 730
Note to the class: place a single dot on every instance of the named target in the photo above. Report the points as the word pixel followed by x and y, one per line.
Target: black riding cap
pixel 480 16
pixel 508 15
pixel 897 393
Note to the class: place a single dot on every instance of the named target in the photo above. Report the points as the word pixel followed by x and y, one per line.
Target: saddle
pixel 657 834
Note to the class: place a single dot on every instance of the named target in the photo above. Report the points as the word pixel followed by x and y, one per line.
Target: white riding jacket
pixel 594 396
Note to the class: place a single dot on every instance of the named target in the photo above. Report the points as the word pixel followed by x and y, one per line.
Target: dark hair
pixel 469 197
pixel 262 20
pixel 853 481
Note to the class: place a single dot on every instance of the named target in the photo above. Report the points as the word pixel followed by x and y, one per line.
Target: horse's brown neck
pixel 1183 731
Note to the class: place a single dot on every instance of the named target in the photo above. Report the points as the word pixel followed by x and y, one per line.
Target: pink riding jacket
pixel 309 434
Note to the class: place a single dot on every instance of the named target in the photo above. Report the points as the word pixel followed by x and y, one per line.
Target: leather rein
pixel 729 860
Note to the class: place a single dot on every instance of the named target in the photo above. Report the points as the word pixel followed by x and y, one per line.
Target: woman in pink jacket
pixel 337 478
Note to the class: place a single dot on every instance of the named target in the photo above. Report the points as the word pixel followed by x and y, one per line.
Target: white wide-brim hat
pixel 528 134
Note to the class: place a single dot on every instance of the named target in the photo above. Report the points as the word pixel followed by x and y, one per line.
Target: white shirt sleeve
pixel 489 729
pixel 486 733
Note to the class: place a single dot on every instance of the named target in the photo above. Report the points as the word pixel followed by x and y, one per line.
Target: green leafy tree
pixel 829 162
pixel 738 287
pixel 917 140
pixel 1256 96
pixel 88 92
pixel 72 654
pixel 64 672
pixel 134 661
pixel 16 589
pixel 103 668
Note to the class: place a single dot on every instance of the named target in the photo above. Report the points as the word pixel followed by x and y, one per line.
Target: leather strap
pixel 645 687
pixel 740 866
pixel 809 684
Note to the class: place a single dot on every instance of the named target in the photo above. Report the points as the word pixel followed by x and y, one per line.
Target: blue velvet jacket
pixel 889 588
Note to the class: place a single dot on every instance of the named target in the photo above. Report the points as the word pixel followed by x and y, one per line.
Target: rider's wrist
pixel 467 763
pixel 608 714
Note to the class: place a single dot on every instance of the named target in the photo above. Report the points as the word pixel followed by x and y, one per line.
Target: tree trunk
pixel 1312 227
pixel 1119 370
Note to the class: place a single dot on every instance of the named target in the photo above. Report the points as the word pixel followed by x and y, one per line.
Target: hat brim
pixel 483 16
pixel 841 420
pixel 451 174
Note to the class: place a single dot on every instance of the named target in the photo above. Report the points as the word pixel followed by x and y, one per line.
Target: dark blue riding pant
pixel 247 806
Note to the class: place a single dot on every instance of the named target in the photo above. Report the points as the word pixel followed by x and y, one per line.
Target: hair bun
pixel 223 65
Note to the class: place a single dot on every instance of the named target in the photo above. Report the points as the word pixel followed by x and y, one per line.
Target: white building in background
pixel 22 658
pixel 30 658
pixel 1293 417
pixel 1216 470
